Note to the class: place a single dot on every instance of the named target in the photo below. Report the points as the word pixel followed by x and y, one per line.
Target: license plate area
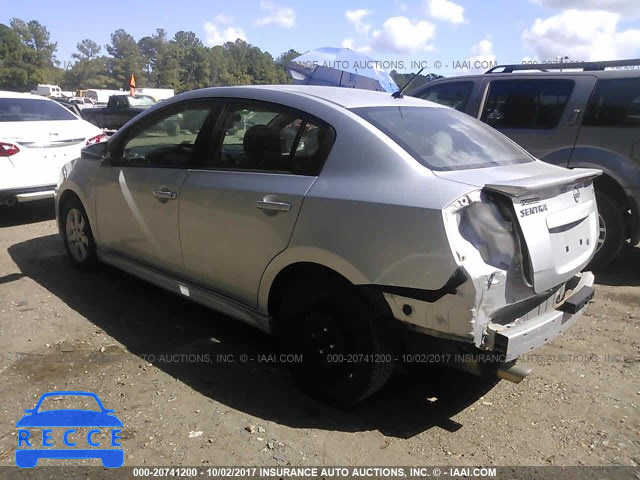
pixel 578 300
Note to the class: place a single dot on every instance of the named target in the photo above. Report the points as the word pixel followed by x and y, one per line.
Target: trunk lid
pixel 554 211
pixel 45 146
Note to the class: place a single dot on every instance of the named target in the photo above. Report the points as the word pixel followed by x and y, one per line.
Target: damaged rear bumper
pixel 541 324
pixel 494 340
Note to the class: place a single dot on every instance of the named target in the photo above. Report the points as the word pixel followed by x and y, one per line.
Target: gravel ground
pixel 158 361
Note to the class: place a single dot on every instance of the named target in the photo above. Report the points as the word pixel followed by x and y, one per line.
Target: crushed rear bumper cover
pixel 542 324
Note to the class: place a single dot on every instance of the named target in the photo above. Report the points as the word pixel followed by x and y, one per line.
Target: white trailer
pixel 47 90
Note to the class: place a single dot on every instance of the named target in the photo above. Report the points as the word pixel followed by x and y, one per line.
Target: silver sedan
pixel 356 226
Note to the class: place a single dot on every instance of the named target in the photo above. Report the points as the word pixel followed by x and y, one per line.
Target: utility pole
pixel 562 58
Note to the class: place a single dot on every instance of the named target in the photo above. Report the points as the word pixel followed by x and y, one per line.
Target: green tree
pixel 87 50
pixel 126 59
pixel 16 61
pixel 36 36
pixel 192 59
pixel 401 79
pixel 167 69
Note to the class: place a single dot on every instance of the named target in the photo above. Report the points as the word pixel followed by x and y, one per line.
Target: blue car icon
pixel 69 418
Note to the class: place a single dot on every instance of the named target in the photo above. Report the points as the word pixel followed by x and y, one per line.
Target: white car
pixel 37 137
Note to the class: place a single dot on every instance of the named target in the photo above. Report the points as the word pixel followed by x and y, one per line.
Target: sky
pixel 446 36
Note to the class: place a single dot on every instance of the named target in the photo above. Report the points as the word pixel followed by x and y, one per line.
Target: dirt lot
pixel 63 330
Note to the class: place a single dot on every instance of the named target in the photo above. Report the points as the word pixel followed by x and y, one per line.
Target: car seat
pixel 261 145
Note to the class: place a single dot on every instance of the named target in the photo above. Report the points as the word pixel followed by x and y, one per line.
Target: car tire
pixel 611 232
pixel 78 237
pixel 340 343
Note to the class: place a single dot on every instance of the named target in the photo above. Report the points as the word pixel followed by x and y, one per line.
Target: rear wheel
pixel 78 238
pixel 340 339
pixel 611 232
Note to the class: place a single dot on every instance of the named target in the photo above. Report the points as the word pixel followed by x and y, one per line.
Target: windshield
pixel 444 139
pixel 140 101
pixel 32 110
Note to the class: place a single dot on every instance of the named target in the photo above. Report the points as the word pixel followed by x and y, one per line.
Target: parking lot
pixel 193 387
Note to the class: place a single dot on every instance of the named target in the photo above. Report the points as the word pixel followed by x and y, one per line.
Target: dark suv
pixel 588 116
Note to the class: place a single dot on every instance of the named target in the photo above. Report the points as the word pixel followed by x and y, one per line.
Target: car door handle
pixel 272 205
pixel 165 194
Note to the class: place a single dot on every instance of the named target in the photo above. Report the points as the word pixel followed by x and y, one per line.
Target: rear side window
pixel 536 104
pixel 260 136
pixel 443 139
pixel 614 103
pixel 32 110
pixel 454 94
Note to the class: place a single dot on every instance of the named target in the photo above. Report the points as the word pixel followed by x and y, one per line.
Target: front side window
pixel 168 141
pixel 443 139
pixel 267 137
pixel 534 104
pixel 454 94
pixel 32 110
pixel 615 103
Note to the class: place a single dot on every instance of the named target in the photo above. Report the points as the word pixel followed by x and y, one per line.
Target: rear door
pixel 540 114
pixel 238 210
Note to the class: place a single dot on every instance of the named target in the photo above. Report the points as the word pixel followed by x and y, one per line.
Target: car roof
pixel 7 94
pixel 341 96
pixel 603 74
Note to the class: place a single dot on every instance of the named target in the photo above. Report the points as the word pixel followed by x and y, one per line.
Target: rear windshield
pixel 140 101
pixel 32 110
pixel 444 139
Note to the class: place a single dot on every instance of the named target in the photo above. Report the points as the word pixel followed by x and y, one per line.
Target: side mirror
pixel 94 152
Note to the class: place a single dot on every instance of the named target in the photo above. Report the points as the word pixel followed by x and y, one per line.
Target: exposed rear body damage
pixel 520 246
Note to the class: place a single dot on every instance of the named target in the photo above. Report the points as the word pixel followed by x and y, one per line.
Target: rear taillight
pixel 8 149
pixel 103 137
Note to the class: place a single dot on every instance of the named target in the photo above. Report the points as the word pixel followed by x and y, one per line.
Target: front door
pixel 139 188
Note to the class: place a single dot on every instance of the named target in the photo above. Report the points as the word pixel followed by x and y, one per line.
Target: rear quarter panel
pixel 373 215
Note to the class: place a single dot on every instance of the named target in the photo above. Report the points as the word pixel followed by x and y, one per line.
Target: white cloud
pixel 447 11
pixel 215 36
pixel 627 7
pixel 223 19
pixel 401 35
pixel 347 43
pixel 277 14
pixel 482 58
pixel 355 18
pixel 582 36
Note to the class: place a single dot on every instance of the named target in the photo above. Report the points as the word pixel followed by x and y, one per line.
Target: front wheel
pixel 339 340
pixel 78 237
pixel 611 232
